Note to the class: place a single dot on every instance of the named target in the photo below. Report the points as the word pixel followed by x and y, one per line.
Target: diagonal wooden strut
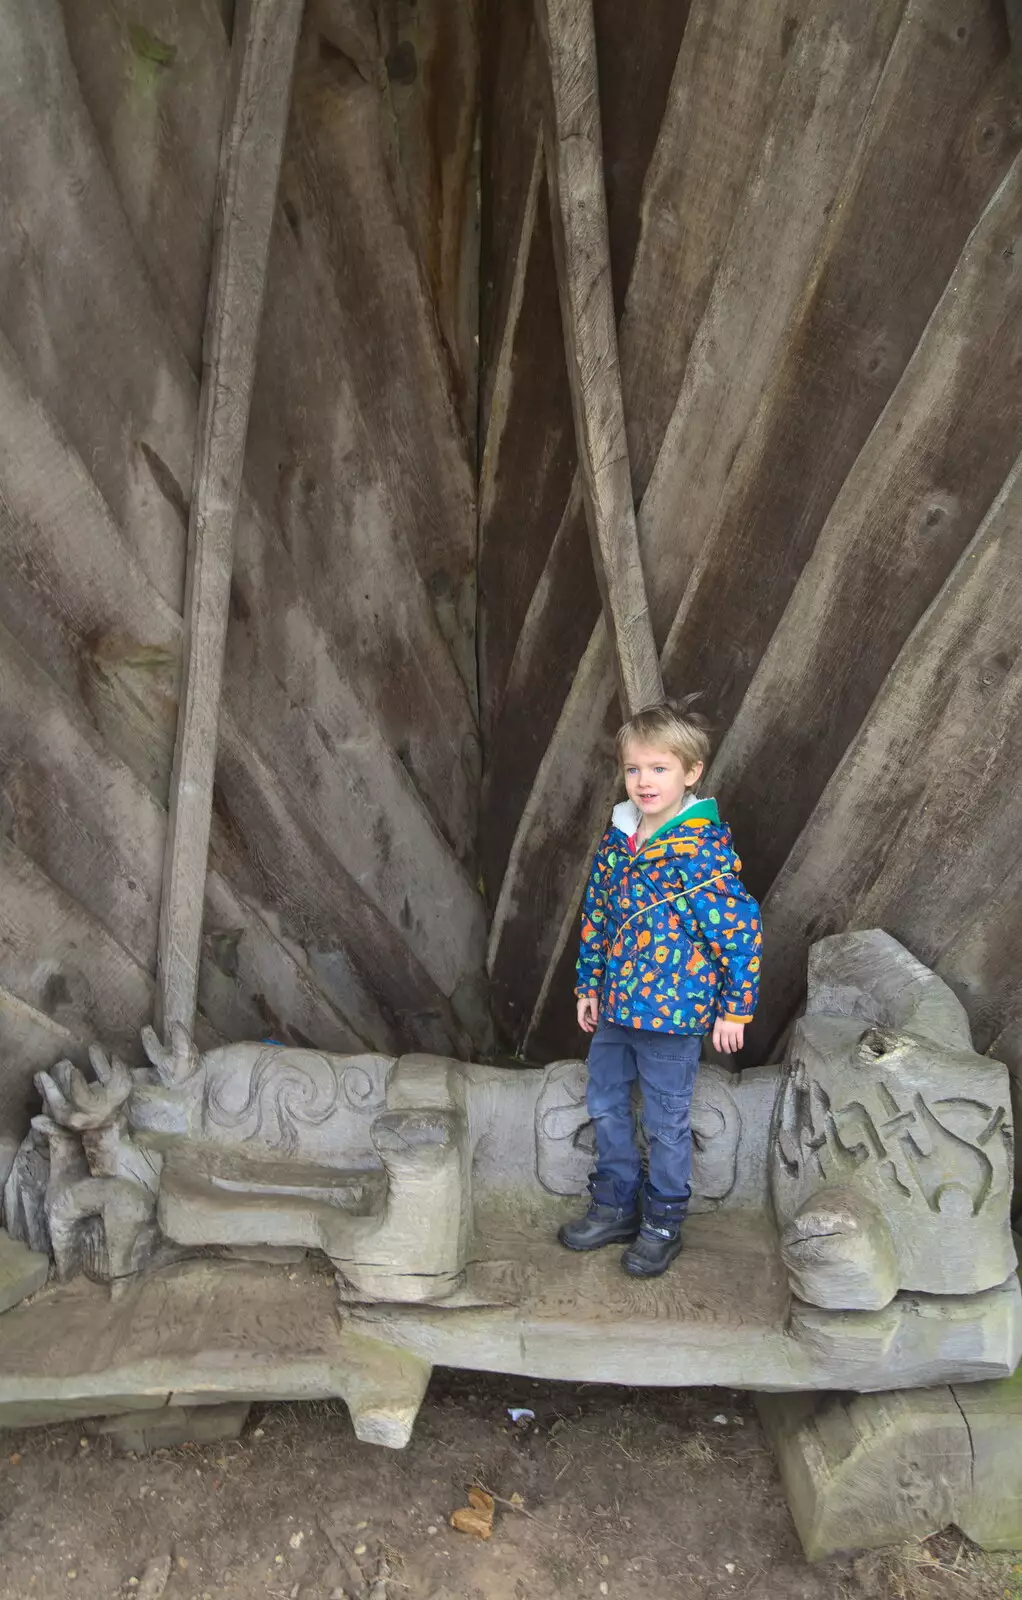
pixel 578 204
pixel 259 93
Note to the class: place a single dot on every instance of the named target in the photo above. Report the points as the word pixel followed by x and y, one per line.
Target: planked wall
pixel 818 261
pixel 815 233
pixel 342 903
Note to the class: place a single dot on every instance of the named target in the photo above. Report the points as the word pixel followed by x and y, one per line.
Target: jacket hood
pixel 627 816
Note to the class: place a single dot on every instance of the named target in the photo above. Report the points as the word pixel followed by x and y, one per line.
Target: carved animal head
pixel 890 1166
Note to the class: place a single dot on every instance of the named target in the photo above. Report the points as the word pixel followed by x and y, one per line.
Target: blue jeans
pixel 665 1065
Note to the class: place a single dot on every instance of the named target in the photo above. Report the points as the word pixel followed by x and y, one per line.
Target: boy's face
pixel 657 780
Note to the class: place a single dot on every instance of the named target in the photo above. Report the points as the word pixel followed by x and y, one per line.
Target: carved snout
pixel 839 1253
pixel 417 1249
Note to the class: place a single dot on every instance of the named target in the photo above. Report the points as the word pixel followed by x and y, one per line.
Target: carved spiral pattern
pixel 283 1092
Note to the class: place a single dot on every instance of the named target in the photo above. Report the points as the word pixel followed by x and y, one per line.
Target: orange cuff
pixel 742 1021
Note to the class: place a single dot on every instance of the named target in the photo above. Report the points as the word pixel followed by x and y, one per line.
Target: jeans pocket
pixel 666 1116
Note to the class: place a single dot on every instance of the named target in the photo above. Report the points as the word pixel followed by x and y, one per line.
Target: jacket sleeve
pixel 592 954
pixel 731 926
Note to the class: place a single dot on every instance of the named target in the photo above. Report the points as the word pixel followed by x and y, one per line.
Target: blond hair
pixel 669 726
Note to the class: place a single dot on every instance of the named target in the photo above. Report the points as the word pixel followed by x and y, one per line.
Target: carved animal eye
pixel 877 1042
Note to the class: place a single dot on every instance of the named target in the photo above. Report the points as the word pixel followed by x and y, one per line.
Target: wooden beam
pixel 262 68
pixel 578 208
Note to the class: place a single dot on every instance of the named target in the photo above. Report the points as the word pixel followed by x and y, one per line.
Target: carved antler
pixel 176 1064
pixel 74 1102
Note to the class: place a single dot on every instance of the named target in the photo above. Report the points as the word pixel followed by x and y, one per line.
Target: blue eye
pixel 659 769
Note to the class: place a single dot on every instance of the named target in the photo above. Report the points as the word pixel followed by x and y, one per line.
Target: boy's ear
pixel 693 775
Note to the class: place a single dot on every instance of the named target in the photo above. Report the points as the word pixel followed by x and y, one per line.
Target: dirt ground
pixel 638 1494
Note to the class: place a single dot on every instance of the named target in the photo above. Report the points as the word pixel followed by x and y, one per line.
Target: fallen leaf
pixel 477 1517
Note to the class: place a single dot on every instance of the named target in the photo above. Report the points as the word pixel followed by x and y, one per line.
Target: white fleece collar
pixel 627 816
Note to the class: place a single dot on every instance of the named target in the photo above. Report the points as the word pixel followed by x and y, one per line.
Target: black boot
pixel 653 1251
pixel 601 1225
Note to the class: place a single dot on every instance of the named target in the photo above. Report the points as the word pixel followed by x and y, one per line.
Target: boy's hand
pixel 588 1012
pixel 728 1036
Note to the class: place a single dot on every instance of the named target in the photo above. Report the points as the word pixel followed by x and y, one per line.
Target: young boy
pixel 670 952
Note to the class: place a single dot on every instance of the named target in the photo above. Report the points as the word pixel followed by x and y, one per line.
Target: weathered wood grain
pixel 920 827
pixel 832 72
pixel 259 91
pixel 919 489
pixel 328 530
pixel 101 632
pixel 722 94
pixel 948 100
pixel 154 81
pixel 60 961
pixel 75 298
pixel 538 594
pixel 393 649
pixel 97 624
pixel 253 985
pixel 574 166
pixel 277 860
pixel 97 835
pixel 339 195
pixel 528 455
pixel 510 112
pixel 1013 10
pixel 431 65
pixel 823 97
pixel 74 809
pixel 288 696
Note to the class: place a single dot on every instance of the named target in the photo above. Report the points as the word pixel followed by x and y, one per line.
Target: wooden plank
pixel 251 985
pixel 77 811
pixel 130 413
pixel 339 195
pixel 920 827
pixel 66 311
pixel 942 131
pixel 730 66
pixel 66 966
pixel 509 129
pixel 341 776
pixel 262 67
pixel 529 450
pixel 96 624
pixel 321 521
pixel 154 92
pixel 431 65
pixel 910 505
pixel 278 862
pixel 574 165
pixel 831 70
pixel 538 594
pixel 97 835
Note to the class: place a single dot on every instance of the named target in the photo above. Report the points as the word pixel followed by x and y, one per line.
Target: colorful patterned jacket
pixel 670 938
